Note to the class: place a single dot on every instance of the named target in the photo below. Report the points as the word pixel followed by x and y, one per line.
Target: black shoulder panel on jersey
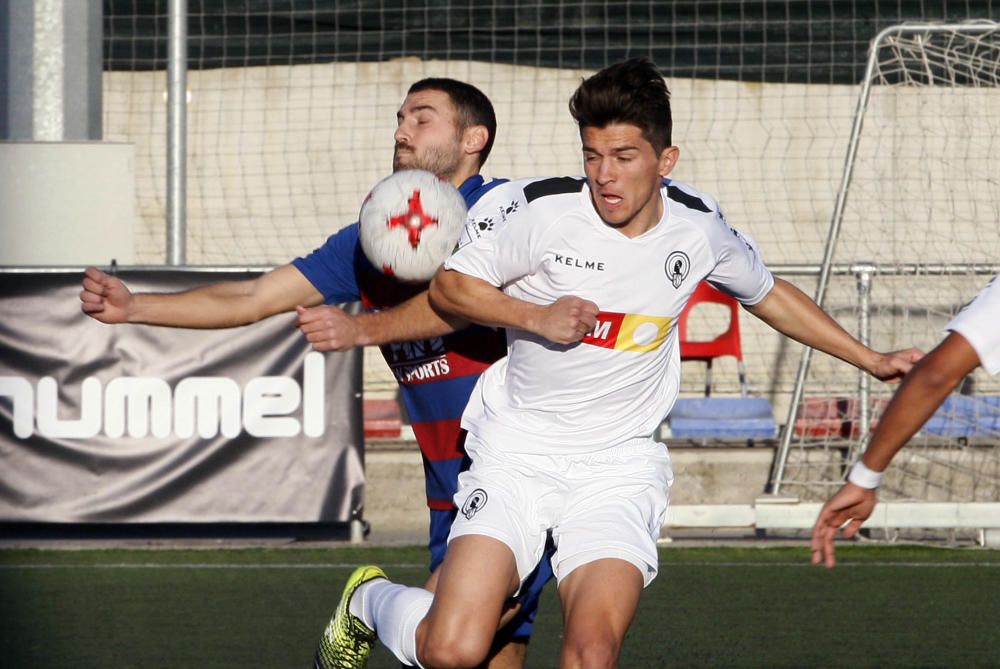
pixel 554 186
pixel 689 201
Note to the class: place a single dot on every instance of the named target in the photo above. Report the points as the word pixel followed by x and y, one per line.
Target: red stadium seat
pixel 834 417
pixel 383 419
pixel 705 418
pixel 726 343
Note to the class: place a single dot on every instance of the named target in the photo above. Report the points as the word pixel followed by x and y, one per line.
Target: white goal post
pixel 918 217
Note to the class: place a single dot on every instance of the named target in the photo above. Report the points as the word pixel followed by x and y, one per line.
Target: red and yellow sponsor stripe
pixel 629 332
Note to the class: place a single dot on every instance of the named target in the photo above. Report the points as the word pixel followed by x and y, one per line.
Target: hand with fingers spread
pixel 328 328
pixel 847 509
pixel 104 297
pixel 568 320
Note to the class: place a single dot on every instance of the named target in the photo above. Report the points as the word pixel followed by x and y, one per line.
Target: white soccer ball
pixel 410 223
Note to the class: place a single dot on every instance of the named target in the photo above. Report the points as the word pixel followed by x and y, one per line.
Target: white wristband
pixel 864 477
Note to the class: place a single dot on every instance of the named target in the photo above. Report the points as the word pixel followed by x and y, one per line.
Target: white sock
pixel 393 611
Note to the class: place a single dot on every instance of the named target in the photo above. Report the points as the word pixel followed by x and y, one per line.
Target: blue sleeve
pixel 333 267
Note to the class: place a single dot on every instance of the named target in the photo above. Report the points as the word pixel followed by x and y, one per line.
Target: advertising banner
pixel 142 424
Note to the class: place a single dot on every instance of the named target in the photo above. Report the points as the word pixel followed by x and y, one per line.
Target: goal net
pixel 291 109
pixel 914 236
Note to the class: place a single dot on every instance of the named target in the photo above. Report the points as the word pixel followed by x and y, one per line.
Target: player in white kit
pixel 973 340
pixel 588 276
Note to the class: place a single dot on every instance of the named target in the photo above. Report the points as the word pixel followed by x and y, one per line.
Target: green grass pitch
pixel 883 606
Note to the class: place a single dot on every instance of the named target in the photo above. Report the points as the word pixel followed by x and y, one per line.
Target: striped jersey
pixel 436 376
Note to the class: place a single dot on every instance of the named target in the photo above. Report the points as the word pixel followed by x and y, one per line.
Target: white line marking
pixel 412 565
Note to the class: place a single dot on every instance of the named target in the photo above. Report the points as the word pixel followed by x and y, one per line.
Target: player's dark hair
pixel 472 105
pixel 628 92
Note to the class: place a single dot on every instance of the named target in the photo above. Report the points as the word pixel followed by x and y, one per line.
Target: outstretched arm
pixel 564 321
pixel 793 313
pixel 921 393
pixel 221 305
pixel 331 329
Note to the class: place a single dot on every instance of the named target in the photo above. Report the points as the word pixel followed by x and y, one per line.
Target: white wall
pixel 67 203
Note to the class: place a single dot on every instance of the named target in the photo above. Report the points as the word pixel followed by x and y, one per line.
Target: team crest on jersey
pixel 677 267
pixel 474 502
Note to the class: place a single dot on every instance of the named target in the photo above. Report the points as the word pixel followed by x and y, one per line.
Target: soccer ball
pixel 410 222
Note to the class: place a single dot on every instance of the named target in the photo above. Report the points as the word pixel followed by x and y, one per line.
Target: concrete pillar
pixel 66 198
pixel 50 70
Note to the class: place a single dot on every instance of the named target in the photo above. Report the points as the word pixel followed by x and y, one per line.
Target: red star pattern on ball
pixel 415 219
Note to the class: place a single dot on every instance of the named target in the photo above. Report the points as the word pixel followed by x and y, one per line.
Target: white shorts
pixel 609 504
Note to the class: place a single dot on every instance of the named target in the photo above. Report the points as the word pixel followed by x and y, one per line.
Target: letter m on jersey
pixel 629 332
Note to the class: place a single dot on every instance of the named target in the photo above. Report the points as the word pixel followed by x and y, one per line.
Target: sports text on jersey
pixel 629 332
pixel 414 361
pixel 424 371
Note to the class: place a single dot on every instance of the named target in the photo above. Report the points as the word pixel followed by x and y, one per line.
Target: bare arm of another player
pixel 564 321
pixel 221 305
pixel 921 393
pixel 793 313
pixel 331 329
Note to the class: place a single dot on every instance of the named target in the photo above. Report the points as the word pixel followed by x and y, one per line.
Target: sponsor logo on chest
pixel 629 332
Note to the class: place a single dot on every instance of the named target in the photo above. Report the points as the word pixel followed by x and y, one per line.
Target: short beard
pixel 435 161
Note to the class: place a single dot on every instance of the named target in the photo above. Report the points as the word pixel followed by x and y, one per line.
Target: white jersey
pixel 977 323
pixel 542 239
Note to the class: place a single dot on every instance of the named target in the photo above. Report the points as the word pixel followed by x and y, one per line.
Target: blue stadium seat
pixel 966 416
pixel 723 418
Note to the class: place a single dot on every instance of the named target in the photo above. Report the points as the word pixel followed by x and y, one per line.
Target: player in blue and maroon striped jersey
pixel 446 127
